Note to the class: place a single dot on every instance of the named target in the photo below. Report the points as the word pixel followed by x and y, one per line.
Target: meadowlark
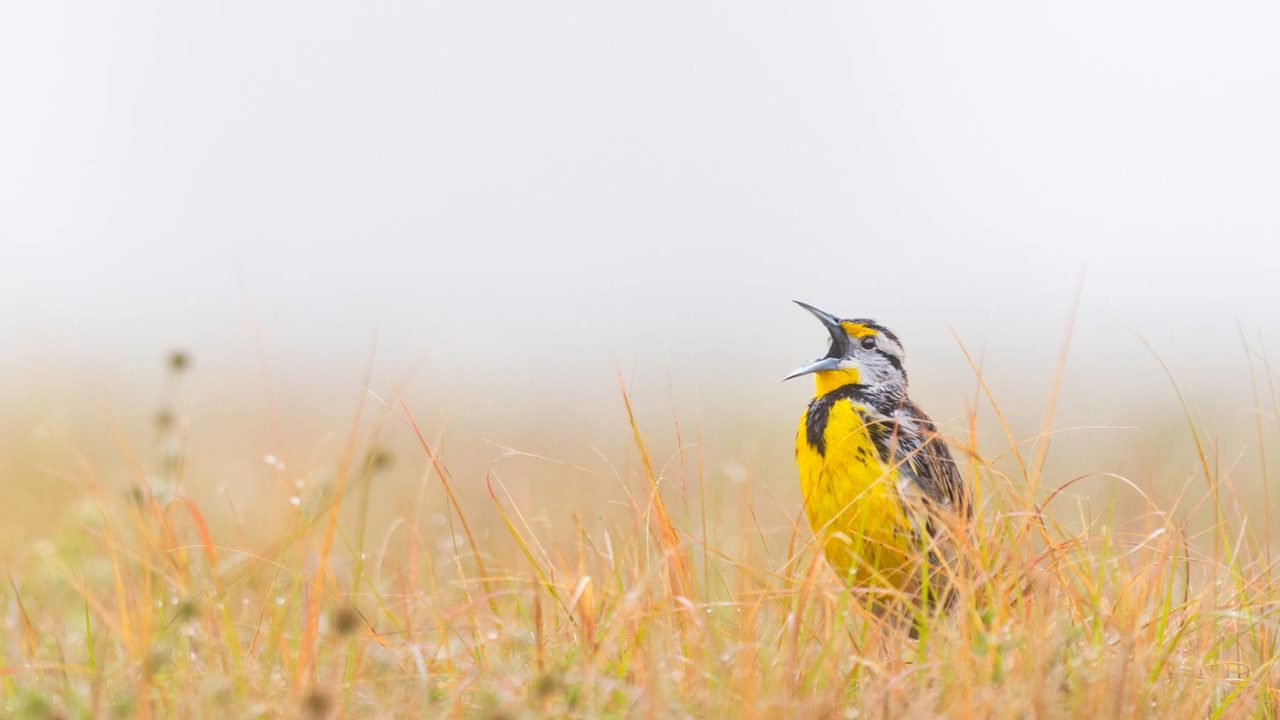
pixel 880 487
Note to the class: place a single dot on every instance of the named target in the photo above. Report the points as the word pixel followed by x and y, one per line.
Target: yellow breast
pixel 851 500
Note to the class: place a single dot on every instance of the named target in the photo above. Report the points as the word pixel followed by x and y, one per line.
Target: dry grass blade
pixel 679 571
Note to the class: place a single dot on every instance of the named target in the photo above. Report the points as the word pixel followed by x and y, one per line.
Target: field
pixel 363 576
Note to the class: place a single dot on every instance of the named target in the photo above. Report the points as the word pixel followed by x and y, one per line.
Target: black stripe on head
pixel 878 328
pixel 895 362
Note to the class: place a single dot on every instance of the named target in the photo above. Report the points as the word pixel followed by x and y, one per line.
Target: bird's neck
pixel 832 380
pixel 847 380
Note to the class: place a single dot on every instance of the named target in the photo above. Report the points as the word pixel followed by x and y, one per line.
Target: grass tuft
pixel 671 598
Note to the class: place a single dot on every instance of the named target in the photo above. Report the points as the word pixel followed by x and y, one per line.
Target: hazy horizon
pixel 519 201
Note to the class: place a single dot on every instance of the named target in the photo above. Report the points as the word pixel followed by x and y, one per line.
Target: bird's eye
pixel 868 343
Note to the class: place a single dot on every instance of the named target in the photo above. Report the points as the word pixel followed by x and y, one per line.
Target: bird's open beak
pixel 839 344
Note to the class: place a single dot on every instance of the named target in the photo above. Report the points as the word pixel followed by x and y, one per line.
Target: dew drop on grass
pixel 295 501
pixel 280 600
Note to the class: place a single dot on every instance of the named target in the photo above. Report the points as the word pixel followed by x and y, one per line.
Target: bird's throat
pixel 829 380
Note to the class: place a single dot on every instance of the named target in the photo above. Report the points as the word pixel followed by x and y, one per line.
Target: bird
pixel 880 488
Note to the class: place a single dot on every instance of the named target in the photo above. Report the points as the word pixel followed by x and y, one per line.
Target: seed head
pixel 377 459
pixel 317 703
pixel 546 684
pixel 179 361
pixel 345 620
pixel 187 611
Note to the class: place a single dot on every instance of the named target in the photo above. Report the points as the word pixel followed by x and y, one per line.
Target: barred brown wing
pixel 909 439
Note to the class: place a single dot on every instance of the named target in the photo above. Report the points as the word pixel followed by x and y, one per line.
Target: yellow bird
pixel 880 487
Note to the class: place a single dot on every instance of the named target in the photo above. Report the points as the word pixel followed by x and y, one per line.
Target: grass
pixel 671 602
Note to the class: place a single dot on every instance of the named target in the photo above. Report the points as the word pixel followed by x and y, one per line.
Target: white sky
pixel 565 183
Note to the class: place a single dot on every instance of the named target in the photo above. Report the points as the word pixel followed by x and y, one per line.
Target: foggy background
pixel 509 202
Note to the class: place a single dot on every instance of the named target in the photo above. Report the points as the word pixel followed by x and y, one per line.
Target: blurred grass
pixel 347 572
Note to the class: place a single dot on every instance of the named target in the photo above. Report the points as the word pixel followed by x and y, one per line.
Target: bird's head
pixel 862 351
